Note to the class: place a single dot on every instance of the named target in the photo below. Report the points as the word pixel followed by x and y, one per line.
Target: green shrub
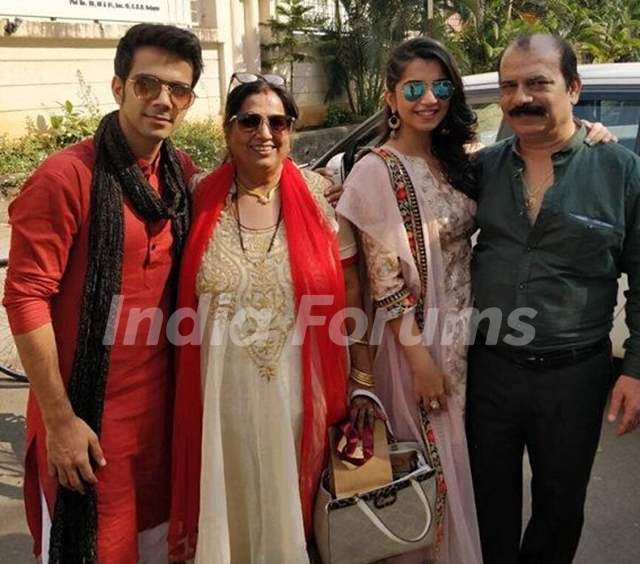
pixel 338 115
pixel 203 140
pixel 63 129
pixel 20 156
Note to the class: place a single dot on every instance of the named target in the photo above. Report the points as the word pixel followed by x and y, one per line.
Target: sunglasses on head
pixel 238 78
pixel 251 122
pixel 148 87
pixel 416 89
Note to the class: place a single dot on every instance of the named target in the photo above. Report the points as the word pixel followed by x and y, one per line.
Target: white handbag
pixel 381 523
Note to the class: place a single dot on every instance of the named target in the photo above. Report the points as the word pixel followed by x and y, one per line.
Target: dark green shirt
pixel 565 266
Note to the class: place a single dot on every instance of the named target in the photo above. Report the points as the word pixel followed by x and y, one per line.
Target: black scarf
pixel 116 178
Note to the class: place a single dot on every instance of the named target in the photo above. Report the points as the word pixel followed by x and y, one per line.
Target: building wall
pixel 40 61
pixel 309 78
pixel 309 90
pixel 40 69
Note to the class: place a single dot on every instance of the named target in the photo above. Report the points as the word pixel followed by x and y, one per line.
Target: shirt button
pixel 529 248
pixel 522 285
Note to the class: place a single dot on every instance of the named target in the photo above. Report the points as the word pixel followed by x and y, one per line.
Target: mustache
pixel 528 110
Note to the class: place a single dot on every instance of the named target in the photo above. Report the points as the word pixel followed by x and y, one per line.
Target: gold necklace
pixel 263 197
pixel 532 193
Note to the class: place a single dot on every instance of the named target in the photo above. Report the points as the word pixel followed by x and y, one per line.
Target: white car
pixel 611 95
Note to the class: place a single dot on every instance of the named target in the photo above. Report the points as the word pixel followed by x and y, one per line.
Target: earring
pixel 394 124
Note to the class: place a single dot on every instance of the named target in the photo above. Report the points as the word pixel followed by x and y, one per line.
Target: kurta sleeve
pixel 45 219
pixel 388 288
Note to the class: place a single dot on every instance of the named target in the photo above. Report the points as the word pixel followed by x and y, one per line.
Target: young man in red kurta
pixel 64 246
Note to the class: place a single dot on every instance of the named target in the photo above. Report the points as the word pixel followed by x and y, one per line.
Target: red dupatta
pixel 316 271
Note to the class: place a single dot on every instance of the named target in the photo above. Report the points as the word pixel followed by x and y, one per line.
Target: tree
pixel 290 27
pixel 356 45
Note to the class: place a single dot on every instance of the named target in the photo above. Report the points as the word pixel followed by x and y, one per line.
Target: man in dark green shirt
pixel 559 221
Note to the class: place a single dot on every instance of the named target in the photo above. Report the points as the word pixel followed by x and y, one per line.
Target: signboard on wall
pixel 158 11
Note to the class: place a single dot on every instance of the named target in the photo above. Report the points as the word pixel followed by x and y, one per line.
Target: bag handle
pixel 390 534
pixel 373 397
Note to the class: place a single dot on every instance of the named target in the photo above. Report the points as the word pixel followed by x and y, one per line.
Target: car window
pixel 489 118
pixel 620 114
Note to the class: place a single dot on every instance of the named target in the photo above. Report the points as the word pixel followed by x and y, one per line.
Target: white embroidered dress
pixel 250 509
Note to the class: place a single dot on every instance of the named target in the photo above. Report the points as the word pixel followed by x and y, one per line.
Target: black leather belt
pixel 549 359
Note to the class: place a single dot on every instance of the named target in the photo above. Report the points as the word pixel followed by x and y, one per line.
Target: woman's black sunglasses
pixel 251 122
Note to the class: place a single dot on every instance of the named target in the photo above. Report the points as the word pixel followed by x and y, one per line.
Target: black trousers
pixel 557 414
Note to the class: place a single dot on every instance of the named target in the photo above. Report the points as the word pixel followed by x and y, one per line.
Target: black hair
pixel 240 93
pixel 180 42
pixel 458 127
pixel 568 59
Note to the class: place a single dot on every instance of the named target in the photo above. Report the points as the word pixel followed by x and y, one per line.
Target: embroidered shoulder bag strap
pixel 410 212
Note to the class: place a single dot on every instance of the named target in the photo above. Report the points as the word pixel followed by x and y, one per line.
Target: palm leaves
pixel 355 47
pixel 291 45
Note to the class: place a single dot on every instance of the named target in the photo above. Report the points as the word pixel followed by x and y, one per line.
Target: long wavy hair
pixel 458 126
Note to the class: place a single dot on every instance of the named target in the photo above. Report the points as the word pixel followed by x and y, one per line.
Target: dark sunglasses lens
pixel 147 87
pixel 249 121
pixel 279 123
pixel 413 91
pixel 181 95
pixel 443 89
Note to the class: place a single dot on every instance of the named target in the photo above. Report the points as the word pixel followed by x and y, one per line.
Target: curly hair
pixel 458 127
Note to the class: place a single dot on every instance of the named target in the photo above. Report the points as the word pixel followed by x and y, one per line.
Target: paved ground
pixel 612 528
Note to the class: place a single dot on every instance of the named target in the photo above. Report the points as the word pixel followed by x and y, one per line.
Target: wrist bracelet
pixel 363 378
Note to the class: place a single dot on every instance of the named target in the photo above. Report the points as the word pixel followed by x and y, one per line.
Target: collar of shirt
pixel 573 145
pixel 151 170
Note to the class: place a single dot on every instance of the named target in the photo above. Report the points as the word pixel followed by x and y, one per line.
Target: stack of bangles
pixel 363 378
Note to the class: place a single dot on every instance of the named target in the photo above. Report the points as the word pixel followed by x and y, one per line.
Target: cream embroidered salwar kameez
pixel 250 510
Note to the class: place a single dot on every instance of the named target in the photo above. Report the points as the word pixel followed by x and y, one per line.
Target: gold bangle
pixel 363 378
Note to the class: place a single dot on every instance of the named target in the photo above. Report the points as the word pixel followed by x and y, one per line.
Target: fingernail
pixel 611 418
pixel 588 142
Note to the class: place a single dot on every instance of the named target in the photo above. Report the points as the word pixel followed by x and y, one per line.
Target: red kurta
pixel 49 246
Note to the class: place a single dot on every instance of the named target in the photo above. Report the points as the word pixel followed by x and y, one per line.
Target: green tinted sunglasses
pixel 416 89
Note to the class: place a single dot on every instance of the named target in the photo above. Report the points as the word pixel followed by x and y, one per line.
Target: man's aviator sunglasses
pixel 277 123
pixel 148 87
pixel 416 89
pixel 238 78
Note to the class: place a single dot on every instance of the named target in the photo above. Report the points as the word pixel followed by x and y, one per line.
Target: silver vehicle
pixel 611 95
